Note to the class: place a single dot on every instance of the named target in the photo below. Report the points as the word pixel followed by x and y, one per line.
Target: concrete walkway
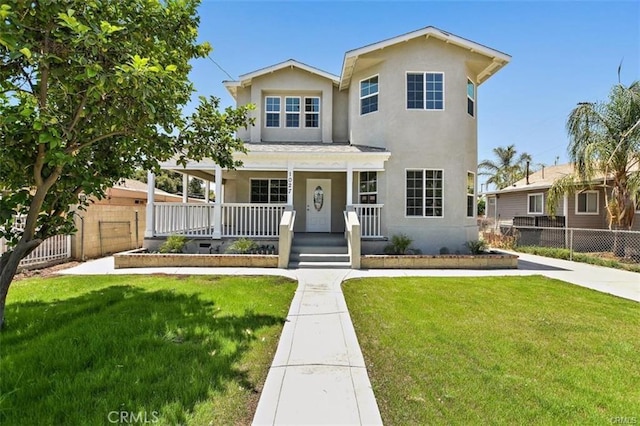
pixel 318 374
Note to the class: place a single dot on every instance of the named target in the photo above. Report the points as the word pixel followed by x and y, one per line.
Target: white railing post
pixel 151 192
pixel 217 207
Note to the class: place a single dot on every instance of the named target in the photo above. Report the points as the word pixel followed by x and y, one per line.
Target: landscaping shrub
pixel 399 244
pixel 174 244
pixel 476 246
pixel 242 246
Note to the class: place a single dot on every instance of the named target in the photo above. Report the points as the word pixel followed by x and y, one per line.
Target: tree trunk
pixel 9 266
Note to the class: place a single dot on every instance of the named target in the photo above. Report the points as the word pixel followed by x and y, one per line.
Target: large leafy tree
pixel 90 91
pixel 604 145
pixel 507 168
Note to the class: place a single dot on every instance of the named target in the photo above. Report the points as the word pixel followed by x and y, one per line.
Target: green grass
pixel 497 350
pixel 192 350
pixel 562 253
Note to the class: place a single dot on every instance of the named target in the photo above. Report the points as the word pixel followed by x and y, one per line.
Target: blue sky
pixel 562 53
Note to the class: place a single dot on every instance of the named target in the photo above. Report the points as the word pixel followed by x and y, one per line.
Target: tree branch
pixel 78 147
pixel 78 113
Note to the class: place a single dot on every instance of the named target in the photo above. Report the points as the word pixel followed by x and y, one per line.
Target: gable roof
pixel 245 79
pixel 498 59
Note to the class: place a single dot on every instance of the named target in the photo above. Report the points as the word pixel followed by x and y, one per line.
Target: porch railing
pixel 184 218
pixel 370 219
pixel 251 220
pixel 238 219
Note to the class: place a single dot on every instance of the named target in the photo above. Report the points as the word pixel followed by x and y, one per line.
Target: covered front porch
pixel 316 183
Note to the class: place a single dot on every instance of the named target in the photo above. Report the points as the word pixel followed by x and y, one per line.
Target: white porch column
pixel 185 188
pixel 151 217
pixel 290 184
pixel 207 188
pixel 217 207
pixel 349 185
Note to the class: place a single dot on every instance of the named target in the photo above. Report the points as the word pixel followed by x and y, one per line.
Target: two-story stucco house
pixel 390 146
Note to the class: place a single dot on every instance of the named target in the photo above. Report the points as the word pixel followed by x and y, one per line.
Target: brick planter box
pixel 483 261
pixel 142 259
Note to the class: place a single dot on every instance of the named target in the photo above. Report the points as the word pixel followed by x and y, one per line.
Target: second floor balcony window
pixel 292 112
pixel 272 108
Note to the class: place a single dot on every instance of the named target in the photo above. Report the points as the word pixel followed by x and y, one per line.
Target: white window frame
pixel 469 98
pixel 287 112
pixel 541 194
pixel 360 193
pixel 471 194
pixel 360 97
pixel 251 180
pixel 266 112
pixel 424 90
pixel 587 213
pixel 424 193
pixel 312 113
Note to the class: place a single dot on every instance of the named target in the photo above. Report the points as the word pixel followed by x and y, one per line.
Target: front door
pixel 318 205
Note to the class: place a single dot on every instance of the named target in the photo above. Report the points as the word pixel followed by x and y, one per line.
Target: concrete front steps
pixel 319 250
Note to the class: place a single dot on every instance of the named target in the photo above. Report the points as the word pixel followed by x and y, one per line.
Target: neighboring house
pixel 393 139
pixel 528 197
pixel 116 222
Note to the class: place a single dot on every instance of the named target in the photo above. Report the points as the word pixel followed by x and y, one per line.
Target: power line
pixel 221 69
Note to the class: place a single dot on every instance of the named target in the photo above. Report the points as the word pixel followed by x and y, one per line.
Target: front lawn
pixel 91 350
pixel 497 350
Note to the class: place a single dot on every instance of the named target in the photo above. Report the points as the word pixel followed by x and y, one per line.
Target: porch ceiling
pixel 299 156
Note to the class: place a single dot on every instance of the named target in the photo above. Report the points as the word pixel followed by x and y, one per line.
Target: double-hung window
pixel 369 95
pixel 368 188
pixel 292 111
pixel 535 203
pixel 269 191
pixel 425 90
pixel 471 98
pixel 311 112
pixel 423 196
pixel 587 202
pixel 272 108
pixel 471 194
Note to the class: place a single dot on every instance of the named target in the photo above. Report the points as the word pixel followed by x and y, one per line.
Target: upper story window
pixel 292 112
pixel 425 90
pixel 471 98
pixel 471 194
pixel 312 112
pixel 269 191
pixel 424 197
pixel 368 188
pixel 369 95
pixel 587 202
pixel 535 204
pixel 272 108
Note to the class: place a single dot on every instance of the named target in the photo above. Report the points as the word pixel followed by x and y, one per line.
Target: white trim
pixel 318 113
pixel 586 213
pixel 370 95
pixel 474 212
pixel 498 59
pixel 286 112
pixel 424 91
pixel 367 192
pixel 541 194
pixel 475 95
pixel 268 190
pixel 424 193
pixel 266 111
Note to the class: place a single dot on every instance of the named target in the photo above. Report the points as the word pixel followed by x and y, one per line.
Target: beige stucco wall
pixel 340 115
pixel 238 190
pixel 420 139
pixel 288 82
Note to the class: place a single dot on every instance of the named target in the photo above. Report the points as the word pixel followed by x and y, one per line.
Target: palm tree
pixel 508 168
pixel 604 142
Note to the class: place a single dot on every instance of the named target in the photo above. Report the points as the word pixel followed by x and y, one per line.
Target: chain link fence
pixel 620 244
